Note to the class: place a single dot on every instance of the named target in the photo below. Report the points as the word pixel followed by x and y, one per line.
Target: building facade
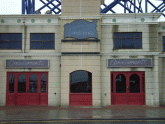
pixel 82 58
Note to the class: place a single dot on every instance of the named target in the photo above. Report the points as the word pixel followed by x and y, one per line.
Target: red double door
pixel 27 88
pixel 128 88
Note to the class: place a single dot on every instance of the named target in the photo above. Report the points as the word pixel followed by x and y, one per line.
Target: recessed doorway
pixel 127 88
pixel 27 88
pixel 80 88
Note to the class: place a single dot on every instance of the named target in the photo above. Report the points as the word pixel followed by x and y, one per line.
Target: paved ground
pixel 38 113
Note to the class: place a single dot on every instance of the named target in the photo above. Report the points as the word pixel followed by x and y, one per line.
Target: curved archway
pixel 80 82
pixel 80 88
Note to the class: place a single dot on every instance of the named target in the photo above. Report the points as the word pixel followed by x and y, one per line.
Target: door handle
pixel 127 88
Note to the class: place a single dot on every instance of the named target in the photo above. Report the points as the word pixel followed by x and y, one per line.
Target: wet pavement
pixel 114 112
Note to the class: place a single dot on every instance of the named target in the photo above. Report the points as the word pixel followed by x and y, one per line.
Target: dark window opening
pixel 43 83
pixel 127 40
pixel 111 83
pixel 11 41
pixel 42 41
pixel 22 83
pixel 164 44
pixel 80 82
pixel 134 83
pixel 11 83
pixel 33 83
pixel 143 82
pixel 120 84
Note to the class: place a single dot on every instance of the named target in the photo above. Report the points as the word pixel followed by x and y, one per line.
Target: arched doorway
pixel 127 88
pixel 80 88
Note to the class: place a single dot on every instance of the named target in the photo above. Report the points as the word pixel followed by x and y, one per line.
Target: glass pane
pixel 33 83
pixel 16 45
pixel 163 40
pixel 4 45
pixel 11 83
pixel 4 37
pixel 138 43
pixel 16 37
pixel 43 83
pixel 163 48
pixel 81 82
pixel 143 79
pixel 48 37
pixel 48 45
pixel 138 35
pixel 22 83
pixel 120 84
pixel 117 35
pixel 36 45
pixel 134 83
pixel 111 83
pixel 36 37
pixel 117 43
pixel 127 43
pixel 127 35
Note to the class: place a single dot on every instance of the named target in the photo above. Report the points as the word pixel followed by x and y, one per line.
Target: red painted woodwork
pixel 27 97
pixel 127 97
pixel 80 99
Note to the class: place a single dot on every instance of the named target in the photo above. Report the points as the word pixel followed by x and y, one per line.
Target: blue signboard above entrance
pixel 81 29
pixel 129 62
pixel 27 63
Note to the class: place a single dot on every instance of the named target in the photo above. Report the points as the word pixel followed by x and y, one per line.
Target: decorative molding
pixel 75 40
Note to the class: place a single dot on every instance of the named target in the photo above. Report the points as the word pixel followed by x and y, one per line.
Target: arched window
pixel 120 84
pixel 33 83
pixel 21 83
pixel 134 82
pixel 11 83
pixel 80 82
pixel 43 83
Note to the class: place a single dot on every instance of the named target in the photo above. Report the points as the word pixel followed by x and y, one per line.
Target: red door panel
pixel 81 99
pixel 127 88
pixel 27 88
pixel 21 99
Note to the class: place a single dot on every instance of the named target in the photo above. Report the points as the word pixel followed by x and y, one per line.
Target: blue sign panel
pixel 27 63
pixel 129 62
pixel 81 29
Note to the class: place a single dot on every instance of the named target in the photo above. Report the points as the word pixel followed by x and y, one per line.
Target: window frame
pixel 126 38
pixel 42 41
pixel 163 43
pixel 11 41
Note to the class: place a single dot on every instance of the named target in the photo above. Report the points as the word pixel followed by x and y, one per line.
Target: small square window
pixel 42 41
pixel 127 40
pixel 11 41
